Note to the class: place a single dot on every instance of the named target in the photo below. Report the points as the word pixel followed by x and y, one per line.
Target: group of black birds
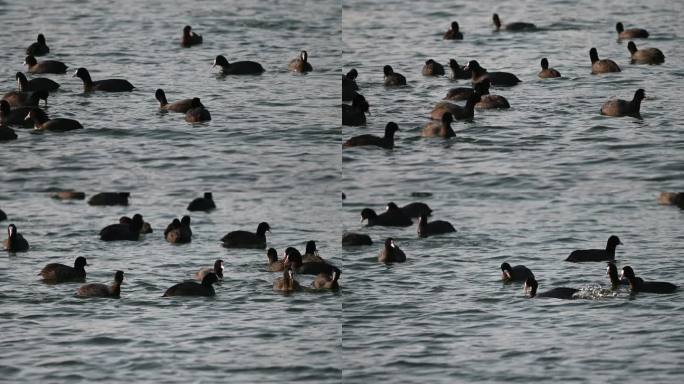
pixel 521 273
pixel 20 108
pixel 478 96
pixel 179 232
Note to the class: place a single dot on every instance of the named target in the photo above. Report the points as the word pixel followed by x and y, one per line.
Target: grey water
pixel 527 186
pixel 270 153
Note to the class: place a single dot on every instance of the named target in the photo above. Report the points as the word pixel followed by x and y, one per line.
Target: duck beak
pixel 506 275
pixel 74 75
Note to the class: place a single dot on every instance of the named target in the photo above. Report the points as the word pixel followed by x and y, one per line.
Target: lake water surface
pixel 526 185
pixel 270 153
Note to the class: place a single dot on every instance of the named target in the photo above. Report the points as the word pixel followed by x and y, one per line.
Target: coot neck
pixel 116 289
pixel 389 139
pixel 469 107
pixel 636 105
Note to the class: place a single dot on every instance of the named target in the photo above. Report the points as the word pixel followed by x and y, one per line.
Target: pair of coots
pixel 124 230
pixel 179 232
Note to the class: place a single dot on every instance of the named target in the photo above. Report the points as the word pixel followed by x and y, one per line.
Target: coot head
pixel 389 243
pixel 631 47
pixel 187 29
pixel 531 285
pixel 473 65
pixel 30 60
pixel 454 26
pixel 628 272
pixel 218 267
pixel 640 94
pixel 506 270
pixel 353 74
pixel 368 213
pixel 392 206
pixel 185 220
pixel 137 222
pixel 20 77
pixel 310 247
pixel 82 74
pixel 593 55
pixel 208 196
pixel 80 262
pixel 387 69
pixel 619 27
pixel 262 228
pixel 614 241
pixel 497 21
pixel 119 276
pixel 272 255
pixel 41 39
pixel 391 127
pixel 196 103
pixel 11 231
pixel 37 114
pixel 292 257
pixel 304 56
pixel 220 61
pixel 160 96
pixel 544 63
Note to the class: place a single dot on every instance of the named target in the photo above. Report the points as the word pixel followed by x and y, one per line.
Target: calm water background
pixel 270 153
pixel 527 185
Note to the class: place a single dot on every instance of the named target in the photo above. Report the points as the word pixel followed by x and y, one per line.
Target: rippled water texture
pixel 527 185
pixel 270 153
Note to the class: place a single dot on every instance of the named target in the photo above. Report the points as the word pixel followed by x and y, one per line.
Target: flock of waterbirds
pixel 478 97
